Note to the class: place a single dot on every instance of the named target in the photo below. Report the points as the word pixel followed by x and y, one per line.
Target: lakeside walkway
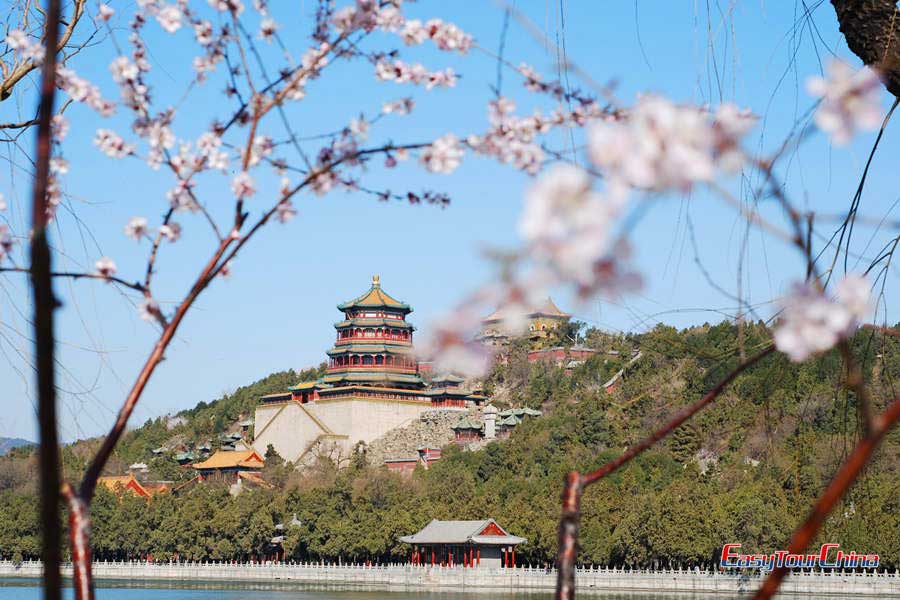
pixel 407 577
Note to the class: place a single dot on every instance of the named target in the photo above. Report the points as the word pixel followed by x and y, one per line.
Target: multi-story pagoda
pixel 372 385
pixel 374 345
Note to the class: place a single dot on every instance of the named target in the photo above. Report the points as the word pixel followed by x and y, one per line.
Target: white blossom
pixel 123 70
pixel 567 228
pixel 359 127
pixel 105 12
pixel 812 323
pixel 2 202
pixel 242 185
pixel 203 33
pixel 285 211
pixel 401 107
pixel 236 7
pixel 169 18
pixel 261 147
pixel 60 127
pixel 136 228
pixel 105 267
pixel 59 165
pixel 6 241
pixel 149 309
pixel 171 231
pixel 851 100
pixel 444 155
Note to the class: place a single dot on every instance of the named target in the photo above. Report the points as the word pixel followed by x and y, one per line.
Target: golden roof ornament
pixel 376 281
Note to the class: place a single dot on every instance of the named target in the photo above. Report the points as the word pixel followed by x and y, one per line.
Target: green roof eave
pixel 373 322
pixel 364 348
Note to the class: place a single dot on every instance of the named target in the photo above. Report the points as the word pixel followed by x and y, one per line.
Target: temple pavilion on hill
pixel 465 543
pixel 541 320
pixel 372 385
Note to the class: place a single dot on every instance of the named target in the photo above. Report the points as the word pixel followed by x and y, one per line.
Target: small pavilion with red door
pixel 463 543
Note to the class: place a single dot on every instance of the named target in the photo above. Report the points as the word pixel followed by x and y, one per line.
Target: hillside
pixel 745 470
pixel 7 444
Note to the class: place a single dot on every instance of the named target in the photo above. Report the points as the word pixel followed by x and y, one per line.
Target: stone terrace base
pixel 596 580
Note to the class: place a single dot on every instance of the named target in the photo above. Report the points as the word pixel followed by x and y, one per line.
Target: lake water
pixel 114 590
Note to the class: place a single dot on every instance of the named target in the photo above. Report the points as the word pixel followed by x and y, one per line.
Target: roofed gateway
pixel 480 543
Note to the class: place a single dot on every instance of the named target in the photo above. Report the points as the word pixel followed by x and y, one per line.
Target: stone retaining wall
pixel 598 580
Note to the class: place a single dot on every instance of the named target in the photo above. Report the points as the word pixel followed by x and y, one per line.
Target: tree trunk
pixel 872 31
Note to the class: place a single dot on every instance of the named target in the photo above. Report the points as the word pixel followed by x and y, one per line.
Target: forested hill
pixel 7 444
pixel 745 470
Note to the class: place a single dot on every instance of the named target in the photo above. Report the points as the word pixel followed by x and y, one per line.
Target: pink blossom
pixel 446 36
pixel 242 185
pixel 851 100
pixel 105 12
pixel 444 155
pixel 111 144
pixel 2 202
pixel 136 228
pixel 105 267
pixel 812 323
pixel 171 231
pixel 285 211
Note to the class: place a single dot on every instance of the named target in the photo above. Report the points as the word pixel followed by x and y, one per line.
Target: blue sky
pixel 276 310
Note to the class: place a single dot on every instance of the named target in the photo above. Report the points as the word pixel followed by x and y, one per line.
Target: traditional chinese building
pixel 128 484
pixel 230 466
pixel 541 320
pixel 463 543
pixel 372 385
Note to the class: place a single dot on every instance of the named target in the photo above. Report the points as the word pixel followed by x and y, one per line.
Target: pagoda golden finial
pixel 376 280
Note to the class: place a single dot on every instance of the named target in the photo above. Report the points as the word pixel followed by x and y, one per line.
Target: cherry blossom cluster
pixel 446 36
pixel 513 140
pixel 444 155
pixel 811 322
pixel 24 46
pixel 81 90
pixel 850 100
pixel 401 72
pixel 659 145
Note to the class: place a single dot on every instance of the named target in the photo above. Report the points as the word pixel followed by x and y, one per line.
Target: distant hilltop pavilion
pixel 541 320
pixel 372 385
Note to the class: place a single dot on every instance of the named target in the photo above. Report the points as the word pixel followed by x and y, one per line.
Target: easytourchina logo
pixel 830 556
